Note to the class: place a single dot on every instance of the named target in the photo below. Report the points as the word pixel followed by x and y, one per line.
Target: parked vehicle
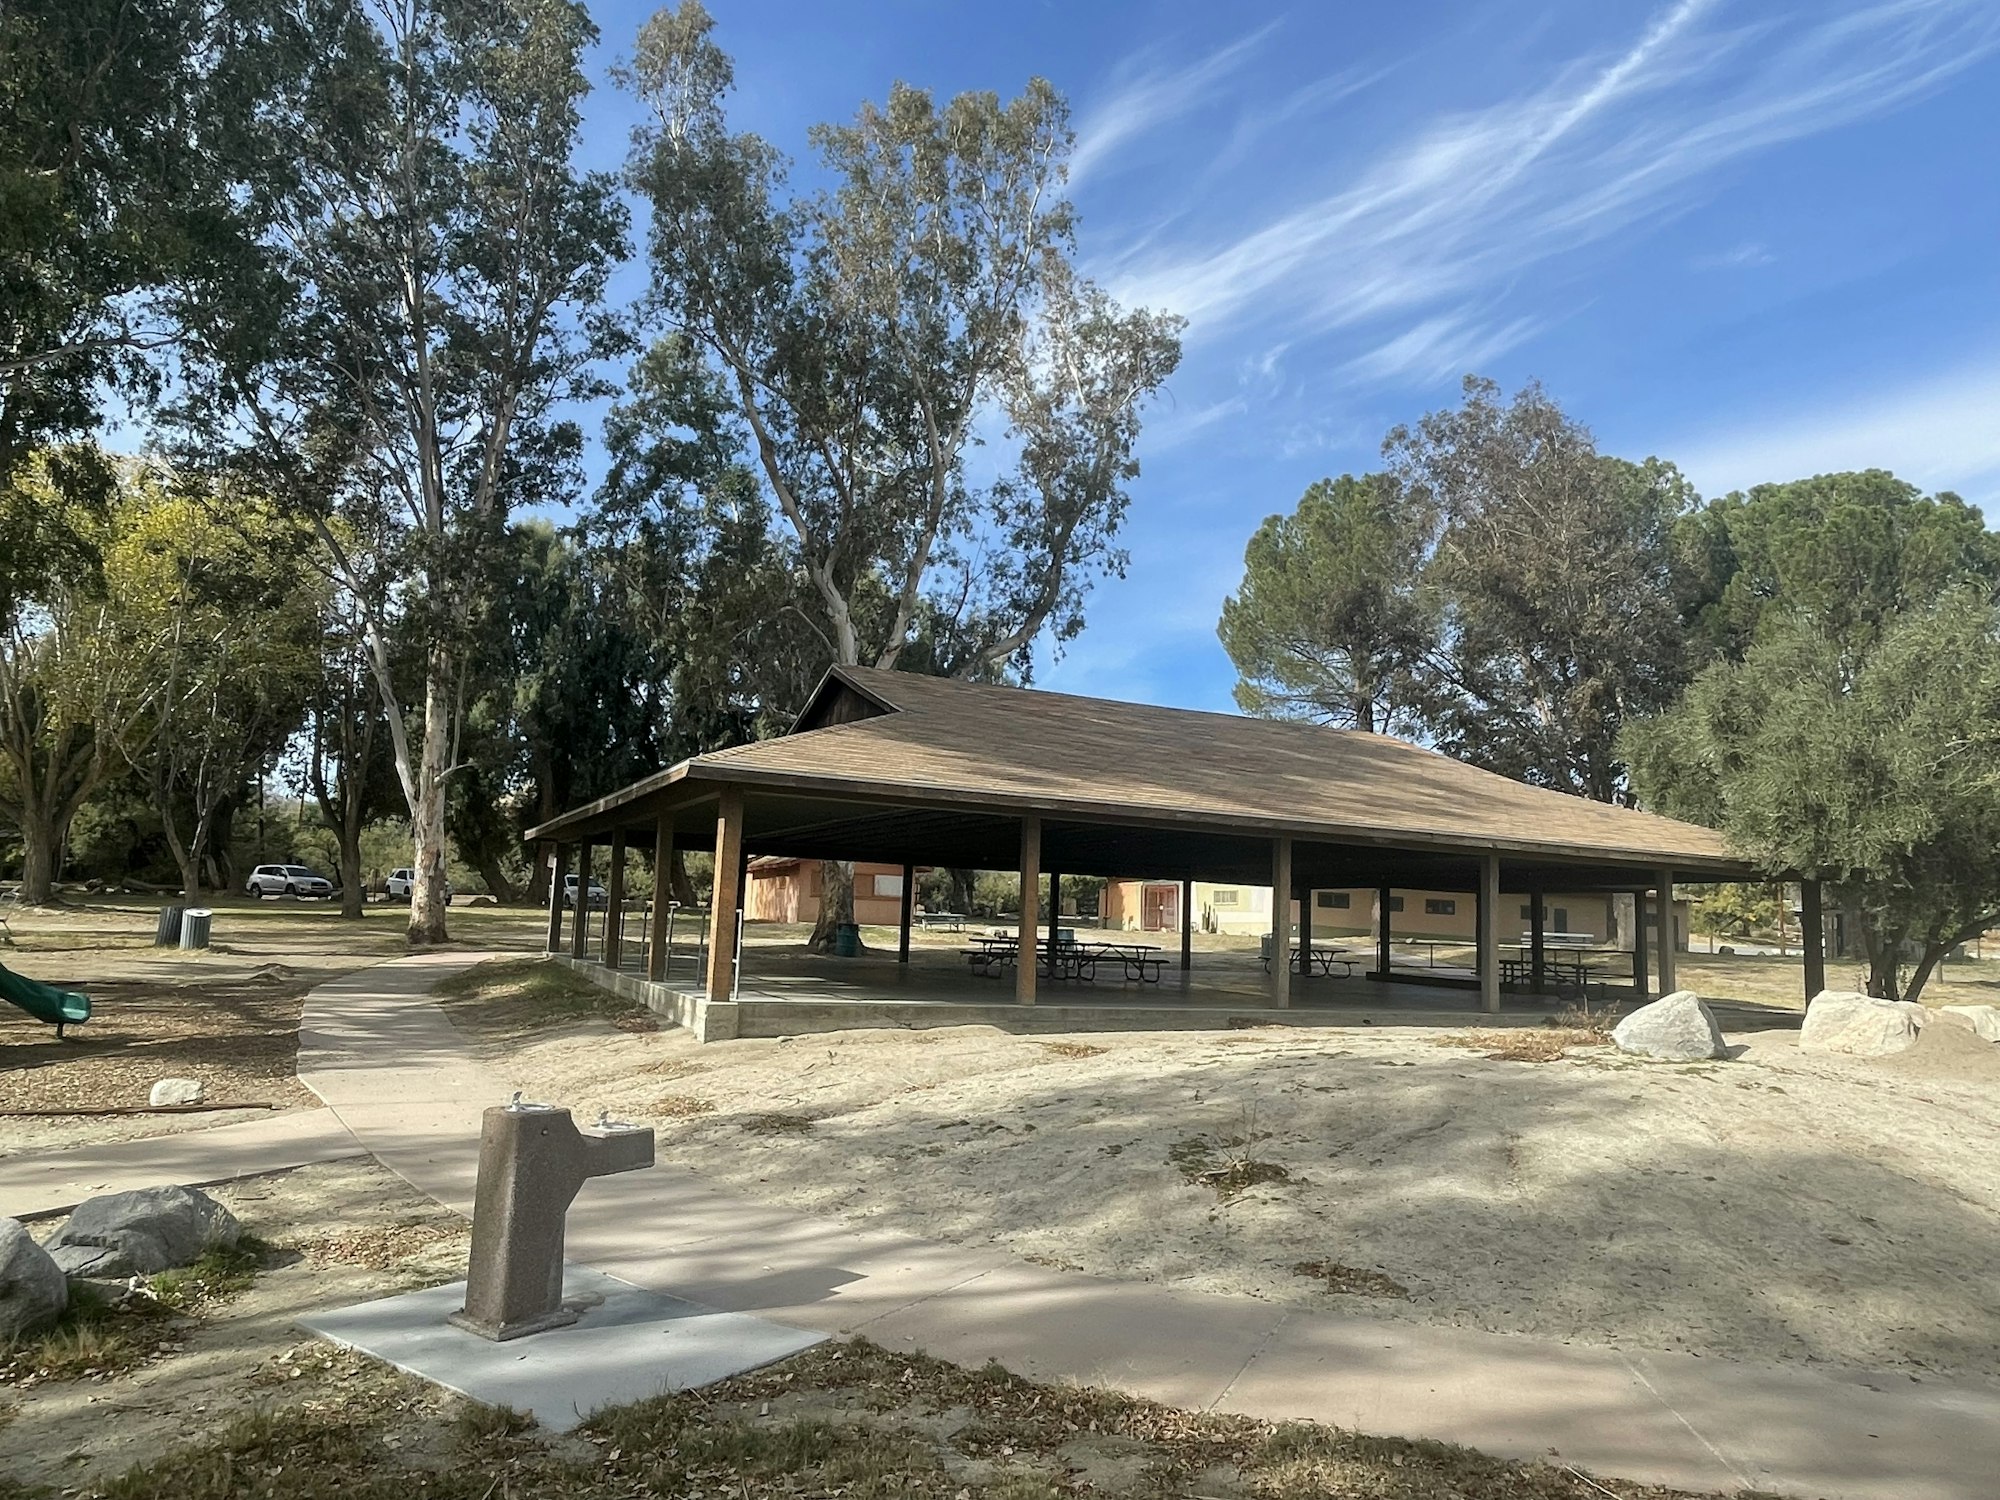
pixel 598 896
pixel 402 885
pixel 287 880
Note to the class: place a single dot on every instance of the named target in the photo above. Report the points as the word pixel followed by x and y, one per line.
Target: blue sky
pixel 1755 238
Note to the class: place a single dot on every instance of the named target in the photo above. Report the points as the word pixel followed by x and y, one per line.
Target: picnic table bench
pixel 950 921
pixel 1319 957
pixel 1067 959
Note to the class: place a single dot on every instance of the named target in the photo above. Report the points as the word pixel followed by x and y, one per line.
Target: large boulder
pixel 140 1232
pixel 1859 1025
pixel 1674 1028
pixel 33 1290
pixel 1983 1021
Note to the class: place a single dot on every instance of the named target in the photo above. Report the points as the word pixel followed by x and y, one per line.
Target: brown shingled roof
pixel 1015 748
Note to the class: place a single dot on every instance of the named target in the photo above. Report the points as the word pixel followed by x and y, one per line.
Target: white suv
pixel 287 880
pixel 598 897
pixel 403 883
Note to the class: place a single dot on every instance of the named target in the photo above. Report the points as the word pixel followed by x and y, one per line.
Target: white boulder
pixel 33 1290
pixel 1674 1028
pixel 1983 1021
pixel 140 1232
pixel 169 1092
pixel 1860 1025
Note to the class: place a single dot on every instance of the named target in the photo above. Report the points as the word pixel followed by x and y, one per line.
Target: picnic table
pixel 1066 958
pixel 1321 957
pixel 951 921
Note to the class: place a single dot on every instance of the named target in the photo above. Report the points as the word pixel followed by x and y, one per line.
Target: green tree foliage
pixel 219 587
pixel 74 679
pixel 1837 735
pixel 1553 573
pixel 1868 766
pixel 131 179
pixel 443 264
pixel 1850 552
pixel 1331 623
pixel 862 334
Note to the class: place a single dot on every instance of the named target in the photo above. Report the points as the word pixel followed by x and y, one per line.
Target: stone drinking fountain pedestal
pixel 529 1331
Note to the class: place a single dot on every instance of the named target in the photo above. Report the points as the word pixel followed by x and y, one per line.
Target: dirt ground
pixel 240 1405
pixel 1774 1206
pixel 227 1016
pixel 341 1232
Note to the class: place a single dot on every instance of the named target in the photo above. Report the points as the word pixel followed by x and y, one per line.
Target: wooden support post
pixel 1055 917
pixel 663 895
pixel 1305 900
pixel 1812 935
pixel 579 940
pixel 1537 938
pixel 1031 907
pixel 1489 933
pixel 1383 953
pixel 1640 987
pixel 1666 930
pixel 1281 922
pixel 724 894
pixel 614 904
pixel 909 910
pixel 1187 925
pixel 558 868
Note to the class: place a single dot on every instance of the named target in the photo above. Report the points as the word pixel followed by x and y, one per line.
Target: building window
pixel 1395 903
pixel 1528 913
pixel 889 885
pixel 1225 899
pixel 1330 900
pixel 1436 907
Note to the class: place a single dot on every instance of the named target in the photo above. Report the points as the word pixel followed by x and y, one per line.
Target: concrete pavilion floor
pixel 784 991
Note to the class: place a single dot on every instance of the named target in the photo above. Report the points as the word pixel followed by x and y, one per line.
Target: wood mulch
pixel 238 1035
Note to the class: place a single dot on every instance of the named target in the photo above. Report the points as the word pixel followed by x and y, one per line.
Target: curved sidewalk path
pixel 403 1080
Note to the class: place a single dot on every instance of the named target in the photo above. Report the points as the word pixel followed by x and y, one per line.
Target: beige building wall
pixel 1350 911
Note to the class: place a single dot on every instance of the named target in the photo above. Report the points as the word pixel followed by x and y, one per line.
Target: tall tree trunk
pixel 679 886
pixel 496 878
pixel 836 903
pixel 353 893
pixel 39 839
pixel 427 908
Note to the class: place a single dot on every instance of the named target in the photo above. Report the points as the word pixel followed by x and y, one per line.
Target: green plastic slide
pixel 44 1002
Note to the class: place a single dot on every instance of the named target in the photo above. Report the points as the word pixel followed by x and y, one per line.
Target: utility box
pixel 532 1161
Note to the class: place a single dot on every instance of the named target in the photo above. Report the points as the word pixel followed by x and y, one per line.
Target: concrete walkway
pixel 36 1183
pixel 402 1080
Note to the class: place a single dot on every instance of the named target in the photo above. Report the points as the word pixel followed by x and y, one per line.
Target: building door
pixel 1160 908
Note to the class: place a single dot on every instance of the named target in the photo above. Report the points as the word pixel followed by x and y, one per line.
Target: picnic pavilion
pixel 906 770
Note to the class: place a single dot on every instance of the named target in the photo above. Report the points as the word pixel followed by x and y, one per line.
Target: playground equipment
pixel 44 1002
pixel 532 1161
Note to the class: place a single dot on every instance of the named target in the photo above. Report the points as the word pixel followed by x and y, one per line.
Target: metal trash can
pixel 846 940
pixel 168 933
pixel 194 927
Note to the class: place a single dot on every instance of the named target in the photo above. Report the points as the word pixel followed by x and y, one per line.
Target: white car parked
pixel 598 896
pixel 402 885
pixel 287 880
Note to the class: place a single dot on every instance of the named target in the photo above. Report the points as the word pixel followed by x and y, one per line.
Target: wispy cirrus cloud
pixel 1145 96
pixel 1424 232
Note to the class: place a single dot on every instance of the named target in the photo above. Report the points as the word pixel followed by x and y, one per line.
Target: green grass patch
pixel 514 998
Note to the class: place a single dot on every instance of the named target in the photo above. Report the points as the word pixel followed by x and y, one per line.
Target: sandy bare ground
pixel 1777 1206
pixel 342 1232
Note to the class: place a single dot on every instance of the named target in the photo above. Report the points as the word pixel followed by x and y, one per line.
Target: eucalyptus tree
pixel 131 179
pixel 1554 576
pixel 443 263
pixel 866 336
